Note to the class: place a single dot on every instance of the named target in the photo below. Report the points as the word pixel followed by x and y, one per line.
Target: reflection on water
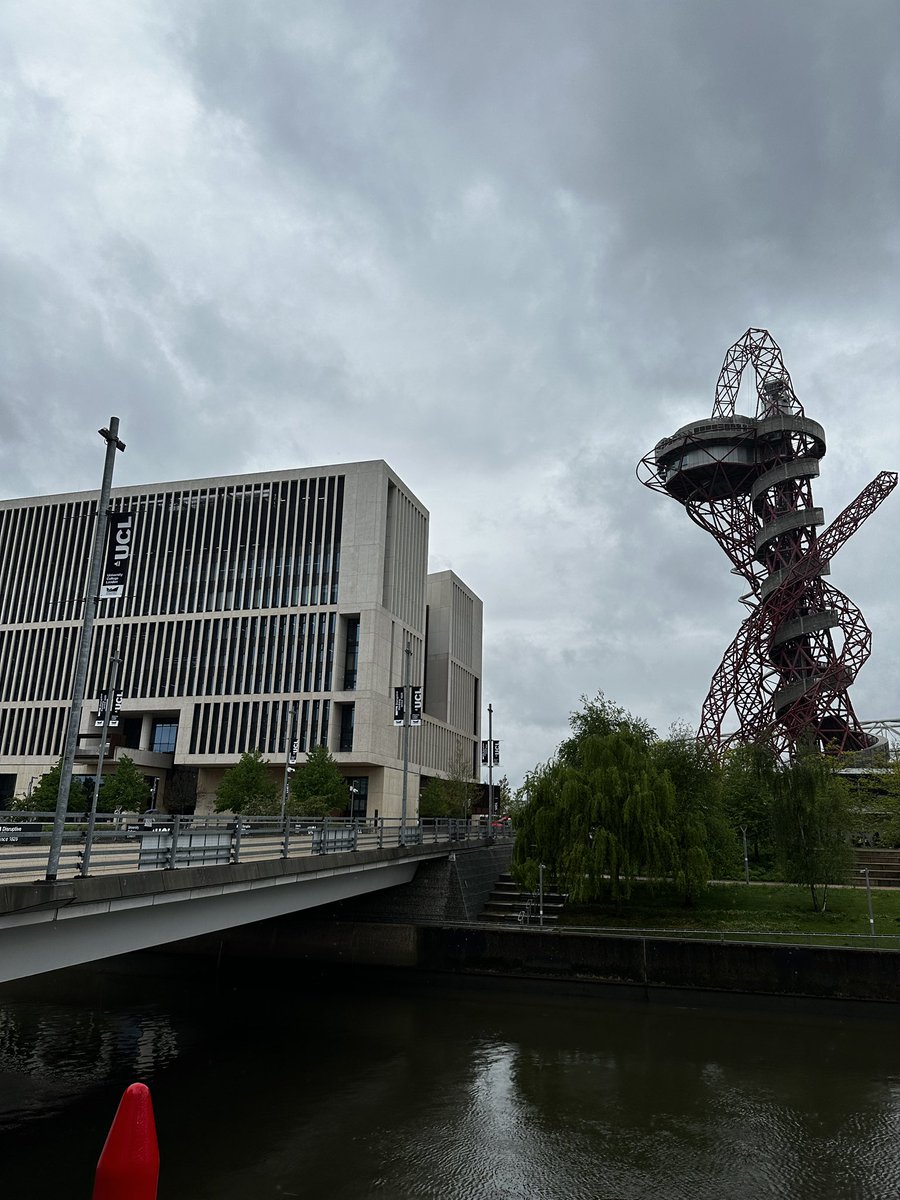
pixel 50 1052
pixel 350 1087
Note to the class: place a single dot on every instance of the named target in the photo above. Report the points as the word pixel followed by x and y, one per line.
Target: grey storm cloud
pixel 503 246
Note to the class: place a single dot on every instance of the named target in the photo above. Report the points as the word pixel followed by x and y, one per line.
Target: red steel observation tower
pixel 748 481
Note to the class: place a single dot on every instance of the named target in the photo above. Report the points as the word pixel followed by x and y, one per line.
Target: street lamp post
pixel 290 759
pixel 406 715
pixel 111 437
pixel 490 758
pixel 112 683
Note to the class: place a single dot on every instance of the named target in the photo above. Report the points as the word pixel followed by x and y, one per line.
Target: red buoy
pixel 128 1168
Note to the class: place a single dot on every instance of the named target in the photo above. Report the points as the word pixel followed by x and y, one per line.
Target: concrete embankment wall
pixel 452 890
pixel 429 925
pixel 645 963
pixel 820 972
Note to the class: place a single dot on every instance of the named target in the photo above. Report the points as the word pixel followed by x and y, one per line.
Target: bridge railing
pixel 120 844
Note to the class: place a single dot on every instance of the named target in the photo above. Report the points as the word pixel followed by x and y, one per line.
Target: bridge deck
pixel 46 926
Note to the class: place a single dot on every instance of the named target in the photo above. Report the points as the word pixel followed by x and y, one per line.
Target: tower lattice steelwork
pixel 748 482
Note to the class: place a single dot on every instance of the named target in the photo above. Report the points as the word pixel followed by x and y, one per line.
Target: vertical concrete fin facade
pixel 246 595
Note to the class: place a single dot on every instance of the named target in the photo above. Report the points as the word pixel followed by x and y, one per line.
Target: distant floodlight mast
pixel 748 482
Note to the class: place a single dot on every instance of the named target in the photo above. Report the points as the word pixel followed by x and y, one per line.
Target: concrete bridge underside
pixel 46 927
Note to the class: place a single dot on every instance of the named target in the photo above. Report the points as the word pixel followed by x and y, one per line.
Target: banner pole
pixel 406 715
pixel 490 758
pixel 112 683
pixel 84 649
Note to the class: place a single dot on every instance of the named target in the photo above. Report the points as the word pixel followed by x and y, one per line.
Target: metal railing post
pixel 173 845
pixel 865 872
pixel 286 842
pixel 236 841
pixel 88 844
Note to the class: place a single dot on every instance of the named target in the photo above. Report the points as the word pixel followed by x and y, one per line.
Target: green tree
pixel 181 790
pixel 600 813
pixel 616 803
pixel 504 797
pixel 705 843
pixel 46 792
pixel 318 788
pixel 125 788
pixel 748 782
pixel 601 717
pixel 248 787
pixel 463 789
pixel 434 800
pixel 811 819
pixel 455 795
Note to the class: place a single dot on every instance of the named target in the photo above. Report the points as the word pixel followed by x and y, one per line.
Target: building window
pixel 346 738
pixel 131 732
pixel 304 724
pixel 351 654
pixel 165 734
pixel 329 654
pixel 359 797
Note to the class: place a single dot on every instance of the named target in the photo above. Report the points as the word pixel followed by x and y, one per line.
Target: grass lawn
pixel 763 910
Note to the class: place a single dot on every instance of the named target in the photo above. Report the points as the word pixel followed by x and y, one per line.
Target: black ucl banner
pixel 118 552
pixel 494 754
pixel 415 714
pixel 102 702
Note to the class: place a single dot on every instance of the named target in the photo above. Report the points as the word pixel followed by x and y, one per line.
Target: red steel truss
pixel 748 482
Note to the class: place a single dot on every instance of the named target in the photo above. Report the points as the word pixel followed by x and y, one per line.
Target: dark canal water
pixel 354 1086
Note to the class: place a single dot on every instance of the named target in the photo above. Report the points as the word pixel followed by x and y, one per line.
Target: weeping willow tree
pixel 605 810
pixel 811 819
pixel 706 839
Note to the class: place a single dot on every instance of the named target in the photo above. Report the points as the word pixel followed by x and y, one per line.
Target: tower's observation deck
pixel 748 481
pixel 711 458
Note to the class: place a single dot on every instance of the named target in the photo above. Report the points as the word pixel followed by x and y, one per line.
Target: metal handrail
pixel 776 937
pixel 124 843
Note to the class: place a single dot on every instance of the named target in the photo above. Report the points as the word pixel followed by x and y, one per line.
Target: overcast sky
pixel 502 244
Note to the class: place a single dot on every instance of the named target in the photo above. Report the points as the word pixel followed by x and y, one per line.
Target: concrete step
pixel 883 866
pixel 507 902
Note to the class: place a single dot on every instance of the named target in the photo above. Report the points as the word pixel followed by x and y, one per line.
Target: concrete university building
pixel 246 597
